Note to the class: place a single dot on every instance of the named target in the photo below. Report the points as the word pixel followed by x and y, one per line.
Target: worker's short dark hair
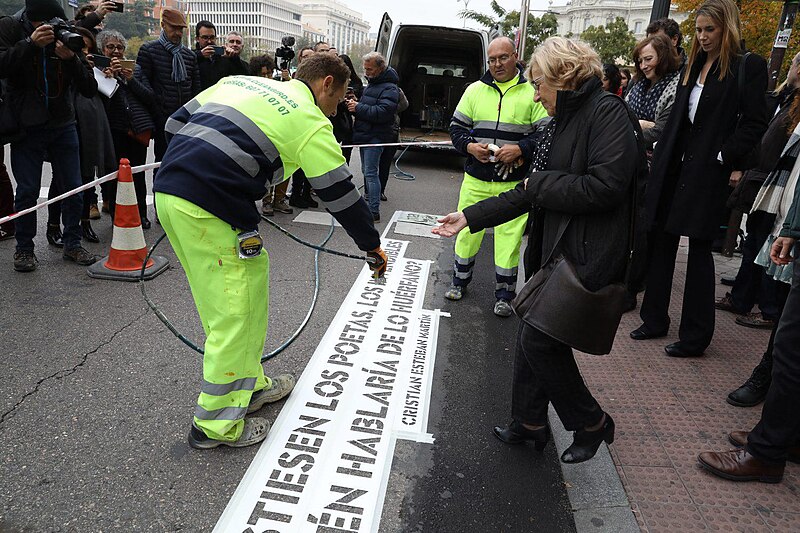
pixel 320 65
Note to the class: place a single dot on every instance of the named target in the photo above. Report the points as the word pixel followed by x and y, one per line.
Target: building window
pixel 637 27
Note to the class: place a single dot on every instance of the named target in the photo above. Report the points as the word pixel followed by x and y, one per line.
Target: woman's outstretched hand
pixel 450 224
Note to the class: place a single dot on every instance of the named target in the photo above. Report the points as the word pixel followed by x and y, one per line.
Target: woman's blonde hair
pixel 725 14
pixel 564 63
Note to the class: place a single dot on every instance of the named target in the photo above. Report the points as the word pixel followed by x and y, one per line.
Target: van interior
pixel 435 65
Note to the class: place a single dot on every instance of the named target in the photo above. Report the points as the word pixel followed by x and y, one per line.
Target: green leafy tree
pixel 357 51
pixel 134 43
pixel 9 7
pixel 507 24
pixel 136 21
pixel 612 41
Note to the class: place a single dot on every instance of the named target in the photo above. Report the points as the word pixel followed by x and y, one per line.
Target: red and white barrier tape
pixel 422 143
pixel 85 186
pixel 142 168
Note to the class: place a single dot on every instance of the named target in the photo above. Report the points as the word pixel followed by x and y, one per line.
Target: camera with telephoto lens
pixel 285 52
pixel 66 34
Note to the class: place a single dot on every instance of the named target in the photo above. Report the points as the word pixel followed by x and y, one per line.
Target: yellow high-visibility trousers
pixel 507 239
pixel 231 295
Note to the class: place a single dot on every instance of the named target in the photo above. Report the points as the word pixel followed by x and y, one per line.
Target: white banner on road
pixel 325 465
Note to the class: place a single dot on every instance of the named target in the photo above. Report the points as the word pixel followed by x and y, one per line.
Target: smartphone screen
pixel 219 50
pixel 120 7
pixel 101 62
pixel 127 63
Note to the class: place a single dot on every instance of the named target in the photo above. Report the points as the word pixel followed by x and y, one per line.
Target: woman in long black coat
pixel 581 181
pixel 716 121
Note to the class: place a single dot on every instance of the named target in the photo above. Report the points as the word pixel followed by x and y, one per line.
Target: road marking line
pixel 326 462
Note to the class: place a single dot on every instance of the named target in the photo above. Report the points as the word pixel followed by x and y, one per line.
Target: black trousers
pixel 301 188
pixel 545 372
pixel 6 193
pixel 89 197
pixel 135 152
pixel 781 294
pixel 752 284
pixel 697 313
pixel 779 427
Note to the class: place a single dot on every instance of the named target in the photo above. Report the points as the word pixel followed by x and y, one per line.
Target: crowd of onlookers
pixel 712 140
pixel 89 106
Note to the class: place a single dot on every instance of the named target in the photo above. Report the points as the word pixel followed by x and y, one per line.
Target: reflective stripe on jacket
pixel 246 133
pixel 487 115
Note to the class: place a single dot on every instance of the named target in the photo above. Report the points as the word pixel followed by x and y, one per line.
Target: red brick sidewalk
pixel 669 410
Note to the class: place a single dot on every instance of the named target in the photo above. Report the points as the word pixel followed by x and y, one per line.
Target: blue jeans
pixel 370 162
pixel 60 147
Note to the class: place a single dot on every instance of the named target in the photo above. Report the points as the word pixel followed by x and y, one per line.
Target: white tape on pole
pixel 325 464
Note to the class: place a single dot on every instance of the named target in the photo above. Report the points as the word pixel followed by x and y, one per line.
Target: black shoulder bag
pixel 555 302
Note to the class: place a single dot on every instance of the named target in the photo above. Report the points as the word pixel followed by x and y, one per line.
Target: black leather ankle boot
pixel 754 390
pixel 516 433
pixel 585 443
pixel 54 235
pixel 88 232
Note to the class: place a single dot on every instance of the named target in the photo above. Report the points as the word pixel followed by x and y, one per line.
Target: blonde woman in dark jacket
pixel 580 184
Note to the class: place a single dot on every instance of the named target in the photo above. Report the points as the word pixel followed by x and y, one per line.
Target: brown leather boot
pixel 739 439
pixel 738 465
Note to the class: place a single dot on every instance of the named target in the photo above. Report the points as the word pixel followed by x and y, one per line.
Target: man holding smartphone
pixel 216 62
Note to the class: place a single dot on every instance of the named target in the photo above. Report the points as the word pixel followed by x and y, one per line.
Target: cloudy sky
pixel 439 12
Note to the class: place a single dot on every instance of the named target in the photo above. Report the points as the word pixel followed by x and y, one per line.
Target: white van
pixel 435 64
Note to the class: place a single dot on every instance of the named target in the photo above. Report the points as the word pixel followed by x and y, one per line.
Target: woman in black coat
pixel 718 118
pixel 581 177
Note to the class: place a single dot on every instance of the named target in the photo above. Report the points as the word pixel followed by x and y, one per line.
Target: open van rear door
pixel 384 32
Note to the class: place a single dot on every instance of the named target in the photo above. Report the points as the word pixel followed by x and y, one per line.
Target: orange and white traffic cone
pixel 128 248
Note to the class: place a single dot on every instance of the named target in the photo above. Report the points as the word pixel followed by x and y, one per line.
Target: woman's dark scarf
pixel 643 98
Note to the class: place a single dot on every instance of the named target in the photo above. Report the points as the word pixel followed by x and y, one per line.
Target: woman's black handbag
pixel 555 302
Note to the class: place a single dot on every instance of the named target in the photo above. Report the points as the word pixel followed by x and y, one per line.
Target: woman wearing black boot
pixel 580 193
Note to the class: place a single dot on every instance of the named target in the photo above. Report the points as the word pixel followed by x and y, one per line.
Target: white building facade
pixel 576 16
pixel 313 35
pixel 262 23
pixel 342 26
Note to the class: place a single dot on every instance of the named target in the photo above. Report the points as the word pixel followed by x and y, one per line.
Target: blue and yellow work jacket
pixel 244 134
pixel 496 113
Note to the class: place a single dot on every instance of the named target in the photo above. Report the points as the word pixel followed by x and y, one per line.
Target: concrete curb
pixel 596 495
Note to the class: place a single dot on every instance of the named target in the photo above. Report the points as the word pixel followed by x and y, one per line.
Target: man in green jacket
pixel 226 146
pixel 496 111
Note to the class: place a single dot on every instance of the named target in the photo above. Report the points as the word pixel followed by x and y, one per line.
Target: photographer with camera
pixel 285 54
pixel 90 16
pixel 216 62
pixel 42 65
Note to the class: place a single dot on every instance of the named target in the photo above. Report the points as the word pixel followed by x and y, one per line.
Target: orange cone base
pixel 156 265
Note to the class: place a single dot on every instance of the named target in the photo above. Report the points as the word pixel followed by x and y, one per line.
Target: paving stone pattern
pixel 669 410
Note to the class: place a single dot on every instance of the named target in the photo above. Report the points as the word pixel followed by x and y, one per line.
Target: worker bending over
pixel 226 147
